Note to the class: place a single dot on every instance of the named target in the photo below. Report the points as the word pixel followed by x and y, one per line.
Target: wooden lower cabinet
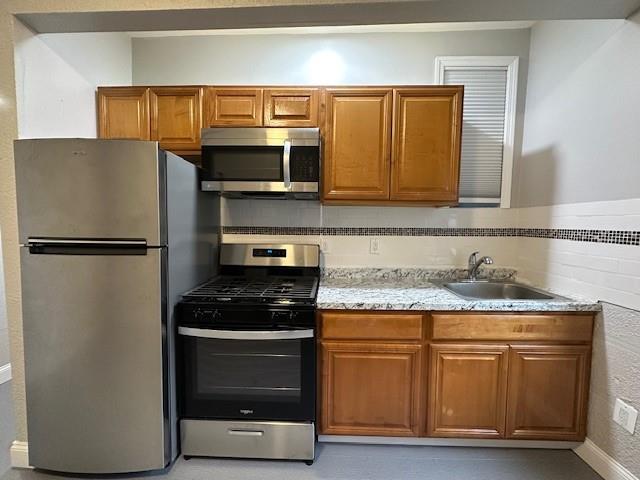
pixel 548 390
pixel 370 388
pixel 468 391
pixel 525 376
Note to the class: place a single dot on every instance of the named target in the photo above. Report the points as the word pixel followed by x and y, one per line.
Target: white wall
pixel 4 329
pixel 308 59
pixel 56 79
pixel 580 168
pixel 581 139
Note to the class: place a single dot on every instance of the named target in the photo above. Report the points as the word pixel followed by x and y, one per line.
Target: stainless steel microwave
pixel 262 162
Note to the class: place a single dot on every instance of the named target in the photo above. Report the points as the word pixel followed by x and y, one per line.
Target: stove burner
pixel 276 289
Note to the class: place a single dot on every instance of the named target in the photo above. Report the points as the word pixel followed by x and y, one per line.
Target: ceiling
pixel 324 13
pixel 340 29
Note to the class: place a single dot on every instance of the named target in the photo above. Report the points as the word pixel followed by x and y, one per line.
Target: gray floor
pixel 7 433
pixel 369 462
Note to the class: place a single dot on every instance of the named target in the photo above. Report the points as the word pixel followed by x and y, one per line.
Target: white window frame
pixel 511 64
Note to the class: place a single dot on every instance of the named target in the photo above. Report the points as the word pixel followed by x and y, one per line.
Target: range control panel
pixel 270 252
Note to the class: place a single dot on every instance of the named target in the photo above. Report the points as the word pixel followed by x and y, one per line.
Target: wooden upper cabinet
pixel 176 117
pixel 123 112
pixel 370 389
pixel 234 107
pixel 292 107
pixel 548 389
pixel 467 391
pixel 357 144
pixel 426 144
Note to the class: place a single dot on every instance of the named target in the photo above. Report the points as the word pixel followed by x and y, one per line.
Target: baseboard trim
pixel 448 442
pixel 602 463
pixel 5 373
pixel 20 454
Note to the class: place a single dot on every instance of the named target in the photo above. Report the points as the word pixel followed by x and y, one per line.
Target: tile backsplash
pixel 585 249
pixel 608 271
pixel 346 233
pixel 279 213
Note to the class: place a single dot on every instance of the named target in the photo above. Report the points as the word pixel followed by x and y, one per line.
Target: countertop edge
pixel 470 307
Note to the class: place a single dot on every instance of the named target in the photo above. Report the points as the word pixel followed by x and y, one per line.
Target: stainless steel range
pixel 248 355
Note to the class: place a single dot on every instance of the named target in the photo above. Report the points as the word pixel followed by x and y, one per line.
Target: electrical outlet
pixel 625 416
pixel 324 245
pixel 374 246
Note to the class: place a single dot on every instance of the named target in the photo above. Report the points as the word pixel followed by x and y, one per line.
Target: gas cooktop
pixel 284 290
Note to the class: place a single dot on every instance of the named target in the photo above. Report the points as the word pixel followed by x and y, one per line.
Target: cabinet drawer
pixel 373 326
pixel 554 327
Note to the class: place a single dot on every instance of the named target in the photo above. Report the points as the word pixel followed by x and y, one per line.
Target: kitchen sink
pixel 483 290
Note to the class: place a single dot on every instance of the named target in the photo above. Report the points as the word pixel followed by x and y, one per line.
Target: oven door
pixel 248 374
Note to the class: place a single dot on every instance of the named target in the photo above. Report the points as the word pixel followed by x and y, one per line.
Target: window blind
pixel 483 120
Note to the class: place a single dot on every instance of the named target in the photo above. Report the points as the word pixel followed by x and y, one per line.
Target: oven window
pixel 248 370
pixel 243 163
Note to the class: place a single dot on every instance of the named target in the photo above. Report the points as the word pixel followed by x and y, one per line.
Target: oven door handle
pixel 246 335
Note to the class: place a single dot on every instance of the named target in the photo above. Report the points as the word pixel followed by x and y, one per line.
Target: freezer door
pixel 88 188
pixel 93 348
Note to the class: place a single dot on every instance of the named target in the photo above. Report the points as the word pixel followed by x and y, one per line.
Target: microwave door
pixel 226 163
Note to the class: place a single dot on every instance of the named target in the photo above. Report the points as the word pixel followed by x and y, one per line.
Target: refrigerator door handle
pixel 79 246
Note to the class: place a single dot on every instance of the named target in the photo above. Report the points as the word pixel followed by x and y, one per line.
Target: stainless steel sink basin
pixel 481 290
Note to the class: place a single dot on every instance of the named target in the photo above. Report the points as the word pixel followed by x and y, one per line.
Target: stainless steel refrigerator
pixel 111 233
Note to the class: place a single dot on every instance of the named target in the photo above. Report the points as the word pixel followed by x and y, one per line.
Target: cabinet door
pixel 293 107
pixel 176 117
pixel 426 144
pixel 357 144
pixel 234 107
pixel 548 389
pixel 123 112
pixel 467 391
pixel 370 389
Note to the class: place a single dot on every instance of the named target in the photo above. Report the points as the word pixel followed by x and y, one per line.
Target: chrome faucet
pixel 474 264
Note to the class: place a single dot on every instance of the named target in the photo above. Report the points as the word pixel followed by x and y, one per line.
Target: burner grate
pixel 244 287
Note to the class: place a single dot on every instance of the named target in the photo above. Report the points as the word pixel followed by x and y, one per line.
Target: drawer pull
pixel 245 433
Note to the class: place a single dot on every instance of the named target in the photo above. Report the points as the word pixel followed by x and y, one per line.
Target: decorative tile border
pixel 619 237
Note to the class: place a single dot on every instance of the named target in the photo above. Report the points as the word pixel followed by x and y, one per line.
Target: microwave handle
pixel 286 164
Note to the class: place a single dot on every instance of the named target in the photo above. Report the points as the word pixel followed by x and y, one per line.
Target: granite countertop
pixel 410 289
